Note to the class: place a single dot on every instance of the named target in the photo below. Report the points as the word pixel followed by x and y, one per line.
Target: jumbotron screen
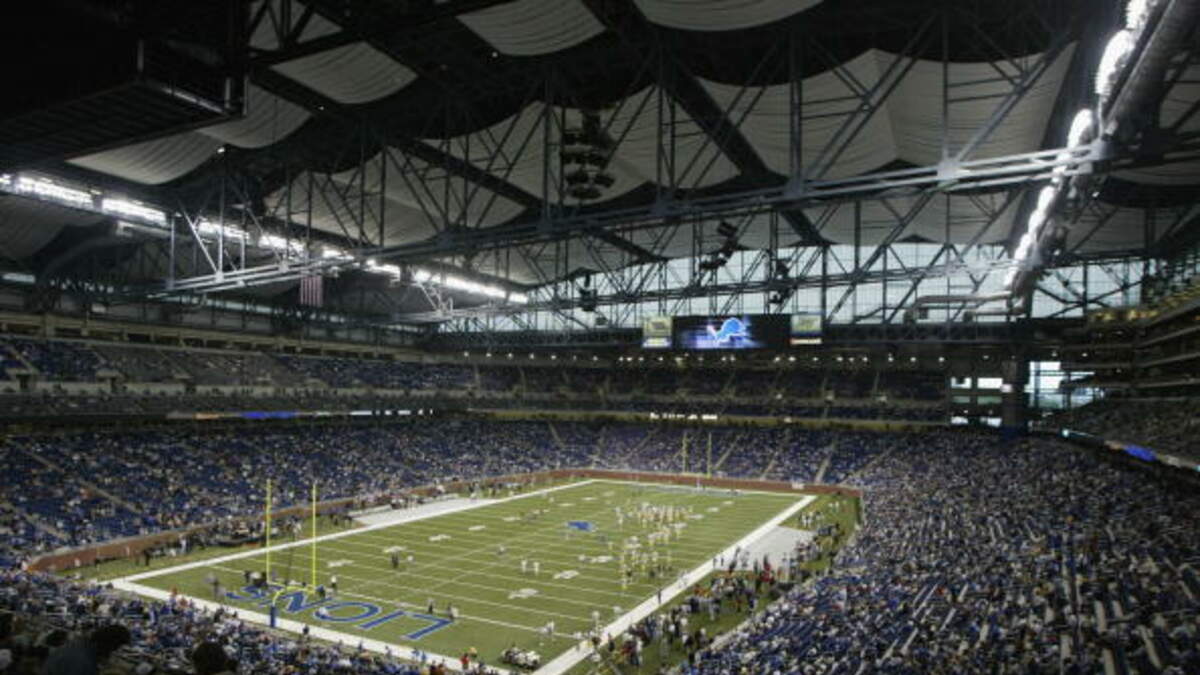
pixel 734 331
pixel 731 331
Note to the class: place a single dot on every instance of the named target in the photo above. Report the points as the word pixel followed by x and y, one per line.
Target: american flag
pixel 312 290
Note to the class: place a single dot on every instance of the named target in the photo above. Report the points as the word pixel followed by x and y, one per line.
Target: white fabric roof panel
pixel 909 125
pixel 956 219
pixel 498 149
pixel 352 74
pixel 534 27
pixel 417 188
pixel 1180 99
pixel 698 161
pixel 1124 229
pixel 512 149
pixel 720 15
pixel 916 108
pixel 268 119
pixel 27 225
pixel 1175 105
pixel 1179 173
pixel 153 162
pixel 765 122
pixel 264 36
pixel 402 221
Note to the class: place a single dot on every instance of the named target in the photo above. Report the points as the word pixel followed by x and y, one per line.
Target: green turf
pixel 828 512
pixel 467 570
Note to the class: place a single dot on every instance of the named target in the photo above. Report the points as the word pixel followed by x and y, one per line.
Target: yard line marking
pixel 487 566
pixel 633 593
pixel 341 535
pixel 440 565
pixel 479 559
pixel 403 603
pixel 666 486
pixel 553 541
pixel 569 659
pixel 706 549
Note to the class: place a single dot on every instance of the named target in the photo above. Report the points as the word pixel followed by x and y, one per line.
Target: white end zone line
pixel 568 659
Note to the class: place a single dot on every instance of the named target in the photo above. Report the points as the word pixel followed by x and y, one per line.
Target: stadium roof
pixel 449 116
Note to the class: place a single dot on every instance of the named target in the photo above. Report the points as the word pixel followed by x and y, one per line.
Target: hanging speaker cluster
pixel 585 154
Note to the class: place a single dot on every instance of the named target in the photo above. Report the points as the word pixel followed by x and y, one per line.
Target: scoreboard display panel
pixel 733 331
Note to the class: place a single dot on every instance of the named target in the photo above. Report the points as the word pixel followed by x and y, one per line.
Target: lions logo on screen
pixel 581 525
pixel 730 330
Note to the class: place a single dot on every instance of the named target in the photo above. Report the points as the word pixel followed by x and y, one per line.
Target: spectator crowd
pixel 975 556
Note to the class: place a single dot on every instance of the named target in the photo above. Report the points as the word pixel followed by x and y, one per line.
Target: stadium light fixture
pixel 1081 124
pixel 51 191
pixel 211 229
pixel 124 207
pixel 1137 14
pixel 1118 49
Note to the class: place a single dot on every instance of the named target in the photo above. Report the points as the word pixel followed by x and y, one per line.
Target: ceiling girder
pixel 627 22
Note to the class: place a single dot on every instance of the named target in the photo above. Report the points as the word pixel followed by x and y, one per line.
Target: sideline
pixel 413 515
pixel 572 657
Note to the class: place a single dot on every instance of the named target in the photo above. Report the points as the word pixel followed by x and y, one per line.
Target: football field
pixel 472 559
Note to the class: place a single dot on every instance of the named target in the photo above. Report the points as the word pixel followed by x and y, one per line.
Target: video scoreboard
pixel 731 331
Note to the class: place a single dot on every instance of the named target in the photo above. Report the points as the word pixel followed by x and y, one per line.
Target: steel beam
pixel 627 21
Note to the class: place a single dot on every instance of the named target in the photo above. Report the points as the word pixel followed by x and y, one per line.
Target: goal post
pixel 268 526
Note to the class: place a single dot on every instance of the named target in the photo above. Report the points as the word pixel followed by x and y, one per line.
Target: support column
pixel 1013 403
